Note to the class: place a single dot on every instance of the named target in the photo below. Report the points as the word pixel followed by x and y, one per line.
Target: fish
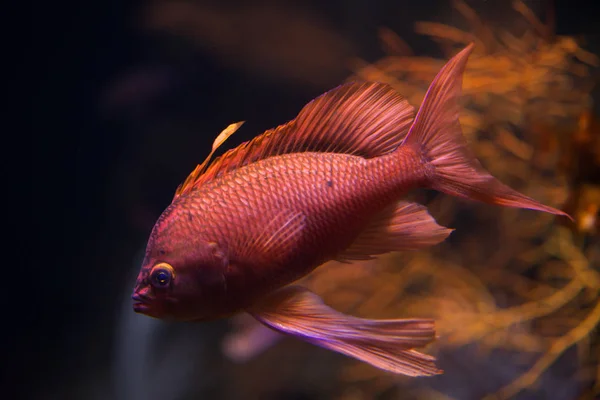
pixel 327 185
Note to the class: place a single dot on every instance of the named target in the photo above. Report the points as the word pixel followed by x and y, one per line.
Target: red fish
pixel 325 186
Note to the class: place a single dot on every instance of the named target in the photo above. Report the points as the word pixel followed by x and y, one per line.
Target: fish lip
pixel 140 303
pixel 140 307
pixel 139 298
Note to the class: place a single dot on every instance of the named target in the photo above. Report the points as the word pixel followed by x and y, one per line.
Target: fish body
pixel 327 185
pixel 333 196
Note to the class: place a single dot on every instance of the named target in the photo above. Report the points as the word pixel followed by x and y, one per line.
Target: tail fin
pixel 436 134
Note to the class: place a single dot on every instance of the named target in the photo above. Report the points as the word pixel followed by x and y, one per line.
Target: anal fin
pixel 385 344
pixel 404 226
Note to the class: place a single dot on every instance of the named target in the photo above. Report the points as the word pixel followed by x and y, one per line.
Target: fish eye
pixel 161 275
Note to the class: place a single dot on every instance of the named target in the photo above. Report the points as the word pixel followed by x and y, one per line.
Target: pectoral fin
pixel 249 339
pixel 385 344
pixel 274 236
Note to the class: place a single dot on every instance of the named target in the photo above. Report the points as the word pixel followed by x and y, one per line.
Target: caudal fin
pixel 385 344
pixel 436 134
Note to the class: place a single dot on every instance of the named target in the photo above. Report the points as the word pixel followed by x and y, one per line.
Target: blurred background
pixel 128 97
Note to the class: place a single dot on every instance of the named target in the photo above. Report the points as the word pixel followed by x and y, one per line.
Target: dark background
pixel 119 119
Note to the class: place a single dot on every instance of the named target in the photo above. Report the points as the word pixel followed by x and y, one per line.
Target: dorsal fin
pixel 188 184
pixel 366 119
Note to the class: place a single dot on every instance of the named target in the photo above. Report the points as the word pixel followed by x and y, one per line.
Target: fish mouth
pixel 140 303
pixel 140 307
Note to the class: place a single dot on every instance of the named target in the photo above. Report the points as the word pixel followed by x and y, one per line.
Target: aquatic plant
pixel 523 284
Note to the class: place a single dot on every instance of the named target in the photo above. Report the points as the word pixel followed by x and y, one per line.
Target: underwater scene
pixel 344 200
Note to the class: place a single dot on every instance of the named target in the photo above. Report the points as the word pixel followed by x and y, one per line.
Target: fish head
pixel 182 277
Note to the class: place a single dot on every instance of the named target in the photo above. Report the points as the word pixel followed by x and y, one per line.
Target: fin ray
pixel 188 184
pixel 437 136
pixel 366 119
pixel 385 344
pixel 404 226
pixel 277 237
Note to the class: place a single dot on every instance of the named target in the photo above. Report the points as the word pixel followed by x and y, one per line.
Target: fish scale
pixel 300 183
